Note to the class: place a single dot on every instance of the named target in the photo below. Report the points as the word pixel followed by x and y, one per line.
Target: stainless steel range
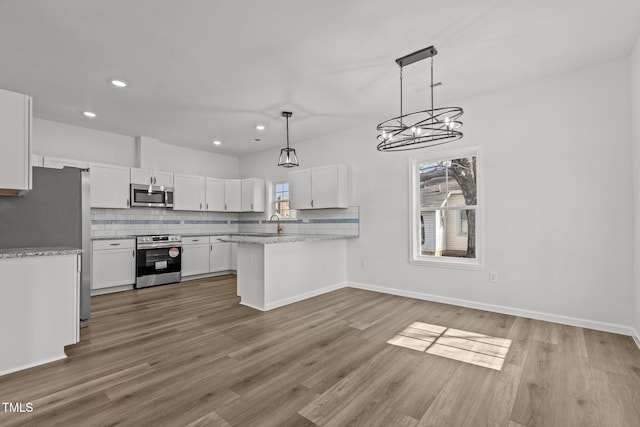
pixel 159 260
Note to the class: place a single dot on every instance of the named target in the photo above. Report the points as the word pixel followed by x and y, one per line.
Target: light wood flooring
pixel 190 355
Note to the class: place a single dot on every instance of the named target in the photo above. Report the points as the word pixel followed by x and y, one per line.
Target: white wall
pixel 557 205
pixel 74 142
pixel 196 162
pixel 635 122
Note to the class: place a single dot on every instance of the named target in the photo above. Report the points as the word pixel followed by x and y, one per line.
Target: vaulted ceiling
pixel 201 70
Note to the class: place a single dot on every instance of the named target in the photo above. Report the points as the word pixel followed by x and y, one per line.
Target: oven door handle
pixel 158 245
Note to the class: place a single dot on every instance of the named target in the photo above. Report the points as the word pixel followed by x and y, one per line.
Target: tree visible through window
pixel 446 203
pixel 280 200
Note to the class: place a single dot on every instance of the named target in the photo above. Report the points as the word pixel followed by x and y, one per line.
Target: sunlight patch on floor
pixel 464 346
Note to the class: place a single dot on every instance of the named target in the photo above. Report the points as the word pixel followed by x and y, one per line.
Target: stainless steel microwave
pixel 151 196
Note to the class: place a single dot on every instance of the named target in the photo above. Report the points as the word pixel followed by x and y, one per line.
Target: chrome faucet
pixel 279 225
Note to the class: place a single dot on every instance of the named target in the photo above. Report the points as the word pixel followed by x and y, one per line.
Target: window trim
pixel 460 232
pixel 415 256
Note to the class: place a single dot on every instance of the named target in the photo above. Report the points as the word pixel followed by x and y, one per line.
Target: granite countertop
pixel 204 234
pixel 266 238
pixel 114 237
pixel 255 238
pixel 44 251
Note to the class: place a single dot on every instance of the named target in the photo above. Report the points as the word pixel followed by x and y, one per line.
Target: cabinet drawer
pixel 216 239
pixel 195 240
pixel 99 245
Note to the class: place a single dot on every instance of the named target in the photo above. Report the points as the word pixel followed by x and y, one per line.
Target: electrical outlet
pixel 493 276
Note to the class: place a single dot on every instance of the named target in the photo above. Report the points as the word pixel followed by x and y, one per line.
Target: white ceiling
pixel 213 69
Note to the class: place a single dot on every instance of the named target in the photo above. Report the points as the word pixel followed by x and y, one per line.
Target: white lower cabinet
pixel 114 263
pixel 195 255
pixel 206 254
pixel 219 255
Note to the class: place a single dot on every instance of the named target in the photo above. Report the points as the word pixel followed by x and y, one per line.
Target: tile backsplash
pixel 313 221
pixel 140 221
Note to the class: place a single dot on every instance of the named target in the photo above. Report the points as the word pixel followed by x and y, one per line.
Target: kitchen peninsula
pixel 39 306
pixel 276 270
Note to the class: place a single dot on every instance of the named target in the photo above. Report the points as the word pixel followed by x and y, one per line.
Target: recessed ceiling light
pixel 119 83
pixel 260 127
pixel 216 142
pixel 89 114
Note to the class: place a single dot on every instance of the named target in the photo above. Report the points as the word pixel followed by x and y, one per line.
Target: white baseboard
pixel 538 315
pixel 33 364
pixel 103 291
pixel 255 307
pixel 306 295
pixel 205 275
pixel 636 337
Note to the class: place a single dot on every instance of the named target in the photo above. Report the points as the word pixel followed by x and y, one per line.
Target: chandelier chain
pixel 401 95
pixel 431 86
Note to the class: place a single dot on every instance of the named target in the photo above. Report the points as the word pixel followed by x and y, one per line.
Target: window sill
pixel 447 263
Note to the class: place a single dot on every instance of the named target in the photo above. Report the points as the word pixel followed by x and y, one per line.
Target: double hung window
pixel 445 209
pixel 280 201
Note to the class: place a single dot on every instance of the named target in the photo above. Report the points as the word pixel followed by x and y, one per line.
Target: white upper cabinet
pixel 109 186
pixel 189 192
pixel 329 186
pixel 37 161
pixel 320 187
pixel 151 177
pixel 300 189
pixel 15 143
pixel 215 194
pixel 232 195
pixel 252 195
pixel 163 178
pixel 58 163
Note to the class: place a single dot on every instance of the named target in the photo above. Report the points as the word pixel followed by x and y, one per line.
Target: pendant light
pixel 288 157
pixel 427 128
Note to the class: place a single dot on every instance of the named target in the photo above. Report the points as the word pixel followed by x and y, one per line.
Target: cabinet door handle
pixel 207 206
pixel 200 206
pixel 251 206
pixel 128 203
pixel 210 248
pixel 155 180
pixel 311 202
pixel 225 206
pixel 114 244
pixel 133 253
pixel 150 180
pixel 195 240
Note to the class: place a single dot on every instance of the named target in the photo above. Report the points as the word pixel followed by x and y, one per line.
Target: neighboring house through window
pixel 280 200
pixel 445 205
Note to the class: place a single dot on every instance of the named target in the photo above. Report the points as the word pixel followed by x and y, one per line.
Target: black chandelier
pixel 422 129
pixel 288 157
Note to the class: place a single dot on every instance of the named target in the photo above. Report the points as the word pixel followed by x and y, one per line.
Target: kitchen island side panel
pixel 250 279
pixel 38 309
pixel 299 270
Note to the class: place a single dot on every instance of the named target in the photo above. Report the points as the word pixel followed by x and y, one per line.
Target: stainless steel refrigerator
pixel 56 212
